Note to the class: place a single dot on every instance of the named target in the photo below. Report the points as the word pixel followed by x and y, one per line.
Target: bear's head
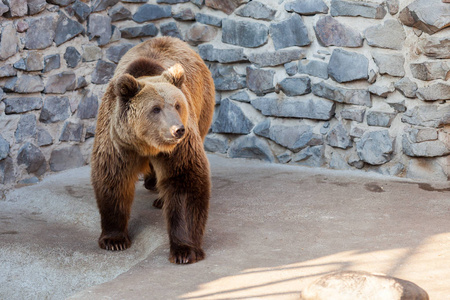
pixel 152 111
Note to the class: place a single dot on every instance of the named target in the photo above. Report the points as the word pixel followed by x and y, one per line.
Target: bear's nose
pixel 177 131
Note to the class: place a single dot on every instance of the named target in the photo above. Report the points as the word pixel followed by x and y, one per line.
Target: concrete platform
pixel 272 230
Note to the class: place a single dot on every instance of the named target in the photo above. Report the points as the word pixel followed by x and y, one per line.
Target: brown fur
pixel 153 119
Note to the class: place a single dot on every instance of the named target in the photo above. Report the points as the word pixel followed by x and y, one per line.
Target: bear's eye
pixel 177 106
pixel 156 110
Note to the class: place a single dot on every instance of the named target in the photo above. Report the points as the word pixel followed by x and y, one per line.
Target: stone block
pixel 7 71
pixel 71 132
pixel 17 105
pixel 40 33
pixel 436 47
pixel 99 28
pixel 4 148
pixel 375 147
pixel 291 68
pixel 55 109
pixel 33 159
pixel 100 5
pixel 66 29
pixel 353 113
pixel 216 143
pixel 29 84
pixel 345 66
pixel 26 128
pixel 7 174
pixel 60 2
pixel 115 53
pixel 313 68
pixel 296 86
pixel 430 70
pixel 208 19
pixel 295 107
pixel 226 78
pixel 275 58
pixel 330 32
pixel 311 156
pixel 379 118
pixel 381 90
pixel 103 72
pixel 17 8
pixel 433 92
pixel 34 61
pixel 66 158
pixel 307 7
pixel 390 35
pixel 139 31
pixel 3 8
pixel 9 42
pixel 434 148
pixel 227 6
pixel 170 29
pixel 150 12
pixel 119 13
pixel 90 52
pixel 209 53
pixel 260 81
pixel 35 6
pixel 357 8
pixel 257 10
pixel 428 115
pixel 250 146
pixel 231 118
pixel 429 16
pixel 60 83
pixel 183 14
pixel 200 33
pixel 407 87
pixel 289 32
pixel 388 63
pixel 338 137
pixel 244 33
pixel 342 95
pixel 43 137
pixel 72 57
pixel 80 10
pixel 418 135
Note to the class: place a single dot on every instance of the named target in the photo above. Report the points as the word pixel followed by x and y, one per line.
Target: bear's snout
pixel 177 131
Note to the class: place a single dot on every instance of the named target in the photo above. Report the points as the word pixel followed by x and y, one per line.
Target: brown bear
pixel 153 119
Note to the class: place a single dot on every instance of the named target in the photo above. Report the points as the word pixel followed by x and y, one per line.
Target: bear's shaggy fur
pixel 153 118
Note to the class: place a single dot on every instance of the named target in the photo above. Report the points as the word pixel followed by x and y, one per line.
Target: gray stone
pixel 226 78
pixel 200 33
pixel 33 159
pixel 17 105
pixel 362 285
pixel 397 105
pixel 9 84
pixel 139 31
pixel 72 57
pixel 330 32
pixel 338 137
pixel 381 90
pixel 393 6
pixel 199 3
pixel 434 148
pixel 436 47
pixel 66 158
pixel 430 70
pixel 99 5
pixel 358 8
pixel 17 8
pixel 208 19
pixel 7 71
pixel 170 29
pixel 90 132
pixel 7 174
pixel 437 91
pixel 60 83
pixel 21 26
pixel 20 64
pixel 91 52
pixel 115 53
pixel 43 137
pixel 227 6
pixel 241 96
pixel 41 32
pixel 275 58
pixel 250 146
pixel 260 81
pixel 379 118
pixel 209 53
pixel 314 68
pixel 342 95
pixel 428 115
pixel 4 148
pixel 103 72
pixel 244 33
pixel 29 84
pixel 356 132
pixel 307 7
pixel 80 10
pixel 388 63
pixel 183 14
pixel 216 143
pixel 429 16
pixel 257 10
pixel 284 157
pixel 375 147
pixel 407 87
pixel 312 156
pixel 354 161
pixel 81 83
pixel 418 135
pixel 116 34
pixel 347 66
pixel 295 86
pixel 288 133
pixel 34 61
pixel 3 8
pixel 26 128
pixel 389 35
pixel 71 132
pixel 134 1
pixel 150 12
pixel 29 181
pixel 119 13
pixel 66 29
pixel 88 106
pixel 354 114
pixel 55 109
pixel 290 32
pixel 99 27
pixel 51 62
pixel 291 68
pixel 9 43
pixel 231 118
pixel 60 2
pixel 293 107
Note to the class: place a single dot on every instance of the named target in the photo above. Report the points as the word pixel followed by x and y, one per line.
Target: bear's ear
pixel 127 86
pixel 175 75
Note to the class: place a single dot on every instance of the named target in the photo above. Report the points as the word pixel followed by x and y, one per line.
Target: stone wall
pixel 339 84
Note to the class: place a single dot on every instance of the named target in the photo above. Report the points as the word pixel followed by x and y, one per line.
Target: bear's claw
pixel 114 242
pixel 186 255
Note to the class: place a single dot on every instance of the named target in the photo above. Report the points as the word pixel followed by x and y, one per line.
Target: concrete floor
pixel 272 230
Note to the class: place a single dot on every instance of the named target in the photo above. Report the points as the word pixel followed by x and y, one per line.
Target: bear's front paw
pixel 114 241
pixel 158 203
pixel 186 255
